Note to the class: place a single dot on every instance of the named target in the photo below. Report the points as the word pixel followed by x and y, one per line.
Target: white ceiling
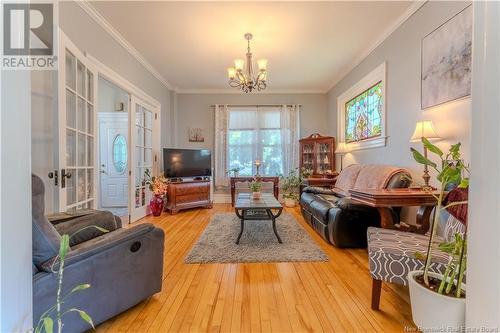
pixel 309 45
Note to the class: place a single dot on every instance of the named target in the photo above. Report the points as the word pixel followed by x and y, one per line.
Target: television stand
pixel 188 194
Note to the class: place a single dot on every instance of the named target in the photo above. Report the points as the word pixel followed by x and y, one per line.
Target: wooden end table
pixel 384 199
pixel 248 209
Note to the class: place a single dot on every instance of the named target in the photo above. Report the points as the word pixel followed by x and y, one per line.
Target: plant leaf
pixel 48 325
pixel 80 287
pixel 64 246
pixel 464 183
pixel 432 148
pixel 455 151
pixel 86 317
pixel 83 315
pixel 419 158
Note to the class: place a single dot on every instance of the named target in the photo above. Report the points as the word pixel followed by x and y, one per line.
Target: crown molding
pixel 99 19
pixel 412 9
pixel 239 92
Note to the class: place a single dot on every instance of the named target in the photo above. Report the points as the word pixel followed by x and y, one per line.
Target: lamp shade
pixel 424 129
pixel 342 148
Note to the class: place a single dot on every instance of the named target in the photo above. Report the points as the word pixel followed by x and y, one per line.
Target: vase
pixel 431 310
pixel 289 202
pixel 156 205
pixel 256 195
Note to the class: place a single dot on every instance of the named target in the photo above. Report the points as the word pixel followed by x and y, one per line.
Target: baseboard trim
pixel 221 198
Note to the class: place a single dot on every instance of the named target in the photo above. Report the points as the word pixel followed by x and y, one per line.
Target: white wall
pixel 110 95
pixel 401 51
pixel 89 37
pixel 15 203
pixel 194 110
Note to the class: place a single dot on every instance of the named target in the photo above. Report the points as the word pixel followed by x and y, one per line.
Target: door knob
pixel 64 175
pixel 54 175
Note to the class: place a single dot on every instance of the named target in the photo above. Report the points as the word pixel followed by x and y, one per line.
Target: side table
pixel 384 199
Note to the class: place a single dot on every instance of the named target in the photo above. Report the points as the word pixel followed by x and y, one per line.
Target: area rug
pixel 257 244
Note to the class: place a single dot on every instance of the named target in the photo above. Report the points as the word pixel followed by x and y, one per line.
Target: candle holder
pixel 257 166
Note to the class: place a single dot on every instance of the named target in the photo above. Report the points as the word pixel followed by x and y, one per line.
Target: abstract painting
pixel 196 135
pixel 446 60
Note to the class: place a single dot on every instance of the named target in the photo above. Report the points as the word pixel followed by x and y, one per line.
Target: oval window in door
pixel 120 153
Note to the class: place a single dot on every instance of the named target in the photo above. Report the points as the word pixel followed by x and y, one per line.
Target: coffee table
pixel 247 209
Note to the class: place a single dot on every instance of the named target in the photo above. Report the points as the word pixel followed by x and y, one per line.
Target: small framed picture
pixel 196 135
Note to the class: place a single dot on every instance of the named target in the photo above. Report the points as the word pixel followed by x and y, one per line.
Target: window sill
pixel 368 144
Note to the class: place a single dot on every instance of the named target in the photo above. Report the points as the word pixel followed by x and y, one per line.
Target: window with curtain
pixel 246 134
pixel 255 134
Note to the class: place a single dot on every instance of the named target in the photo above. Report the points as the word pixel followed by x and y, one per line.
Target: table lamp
pixel 425 129
pixel 342 150
pixel 257 165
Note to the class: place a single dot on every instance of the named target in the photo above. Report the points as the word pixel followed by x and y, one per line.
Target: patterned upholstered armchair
pixel 392 253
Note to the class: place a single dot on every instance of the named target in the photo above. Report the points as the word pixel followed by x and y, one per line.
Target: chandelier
pixel 241 75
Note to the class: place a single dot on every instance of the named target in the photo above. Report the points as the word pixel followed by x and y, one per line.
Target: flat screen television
pixel 179 163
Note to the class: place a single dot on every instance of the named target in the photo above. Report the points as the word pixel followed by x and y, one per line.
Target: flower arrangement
pixel 158 185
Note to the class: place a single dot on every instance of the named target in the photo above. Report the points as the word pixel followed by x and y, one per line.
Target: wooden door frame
pixel 155 106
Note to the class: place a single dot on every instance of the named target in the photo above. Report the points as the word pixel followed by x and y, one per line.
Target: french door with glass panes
pixel 142 124
pixel 76 173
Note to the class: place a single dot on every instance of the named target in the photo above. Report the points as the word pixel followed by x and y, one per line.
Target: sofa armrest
pixel 80 228
pixel 318 190
pixel 105 242
pixel 352 205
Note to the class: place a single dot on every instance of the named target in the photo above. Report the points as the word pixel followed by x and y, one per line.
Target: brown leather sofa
pixel 340 220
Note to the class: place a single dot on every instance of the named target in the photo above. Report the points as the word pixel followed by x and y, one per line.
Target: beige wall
pixel 194 110
pixel 401 51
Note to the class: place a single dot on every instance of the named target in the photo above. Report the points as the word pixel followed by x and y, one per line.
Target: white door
pixel 113 159
pixel 76 124
pixel 142 125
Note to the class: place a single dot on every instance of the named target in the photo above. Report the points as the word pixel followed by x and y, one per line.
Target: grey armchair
pixel 123 266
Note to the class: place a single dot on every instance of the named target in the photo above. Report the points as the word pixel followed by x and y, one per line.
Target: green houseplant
pixel 290 187
pixel 234 171
pixel 438 300
pixel 56 312
pixel 255 185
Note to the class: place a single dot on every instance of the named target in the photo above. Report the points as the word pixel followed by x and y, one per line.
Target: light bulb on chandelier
pixel 241 75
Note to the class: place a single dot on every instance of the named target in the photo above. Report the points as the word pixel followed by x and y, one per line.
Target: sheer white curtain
pixel 290 135
pixel 220 158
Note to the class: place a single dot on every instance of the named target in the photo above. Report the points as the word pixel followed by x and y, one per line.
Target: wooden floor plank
pixel 331 296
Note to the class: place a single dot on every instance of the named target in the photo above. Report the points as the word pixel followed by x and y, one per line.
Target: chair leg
pixel 376 290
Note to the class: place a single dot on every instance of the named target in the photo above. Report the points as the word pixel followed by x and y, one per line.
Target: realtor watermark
pixel 450 329
pixel 28 36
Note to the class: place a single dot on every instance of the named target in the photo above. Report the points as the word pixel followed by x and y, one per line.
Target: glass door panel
pixel 76 144
pixel 142 147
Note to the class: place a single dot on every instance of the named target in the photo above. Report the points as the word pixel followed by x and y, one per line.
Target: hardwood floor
pixel 329 296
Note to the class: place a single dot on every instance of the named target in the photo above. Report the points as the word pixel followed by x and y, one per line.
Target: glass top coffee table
pixel 266 208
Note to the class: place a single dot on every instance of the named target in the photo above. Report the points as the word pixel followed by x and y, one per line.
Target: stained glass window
pixel 363 115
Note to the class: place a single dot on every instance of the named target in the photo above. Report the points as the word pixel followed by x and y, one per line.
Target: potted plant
pixel 235 171
pixel 255 187
pixel 158 186
pixel 438 300
pixel 290 188
pixel 305 173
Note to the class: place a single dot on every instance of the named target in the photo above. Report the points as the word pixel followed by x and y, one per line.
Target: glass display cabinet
pixel 317 155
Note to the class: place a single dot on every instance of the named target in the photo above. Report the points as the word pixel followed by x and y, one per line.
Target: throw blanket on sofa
pixel 369 176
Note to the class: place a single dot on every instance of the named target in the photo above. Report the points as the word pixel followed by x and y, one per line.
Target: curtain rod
pixel 255 105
